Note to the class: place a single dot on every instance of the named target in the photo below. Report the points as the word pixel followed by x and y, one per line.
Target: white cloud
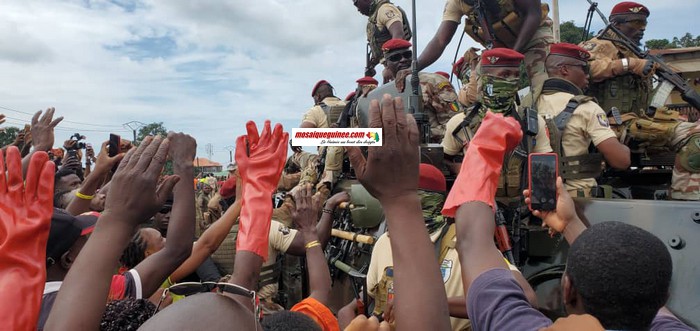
pixel 205 67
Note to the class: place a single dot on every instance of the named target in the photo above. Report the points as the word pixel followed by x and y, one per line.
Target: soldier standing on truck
pixel 386 21
pixel 575 121
pixel 521 25
pixel 623 81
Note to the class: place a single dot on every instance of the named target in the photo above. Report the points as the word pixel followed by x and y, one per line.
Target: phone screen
pixel 543 181
pixel 114 144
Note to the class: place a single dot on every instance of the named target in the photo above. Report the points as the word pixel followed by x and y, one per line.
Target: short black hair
pixel 289 321
pixel 623 274
pixel 135 252
pixel 127 314
pixel 62 173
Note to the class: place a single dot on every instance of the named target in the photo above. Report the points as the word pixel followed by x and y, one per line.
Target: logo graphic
pixel 636 9
pixel 493 59
pixel 446 270
pixel 373 135
pixel 603 120
pixel 489 89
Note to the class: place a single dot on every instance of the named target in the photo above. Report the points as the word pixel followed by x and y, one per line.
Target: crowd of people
pixel 124 245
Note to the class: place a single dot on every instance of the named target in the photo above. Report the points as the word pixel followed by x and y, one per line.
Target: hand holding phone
pixel 542 179
pixel 114 148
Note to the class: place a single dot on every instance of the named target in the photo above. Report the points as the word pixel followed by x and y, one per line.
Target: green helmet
pixel 367 211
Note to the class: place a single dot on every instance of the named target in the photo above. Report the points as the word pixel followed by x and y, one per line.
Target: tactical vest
pixel 332 112
pixel 377 38
pixel 572 167
pixel 629 93
pixel 505 29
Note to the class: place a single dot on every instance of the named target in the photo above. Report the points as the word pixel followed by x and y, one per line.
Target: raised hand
pixel 558 219
pixel 260 159
pixel 42 129
pixel 25 219
pixel 379 173
pixel 133 194
pixel 305 215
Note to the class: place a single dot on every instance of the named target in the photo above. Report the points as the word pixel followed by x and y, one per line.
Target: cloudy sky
pixel 206 67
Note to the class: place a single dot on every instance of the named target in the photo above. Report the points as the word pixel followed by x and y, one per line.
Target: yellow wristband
pixel 83 196
pixel 313 244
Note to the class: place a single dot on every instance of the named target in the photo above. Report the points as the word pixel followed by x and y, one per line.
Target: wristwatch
pixel 625 64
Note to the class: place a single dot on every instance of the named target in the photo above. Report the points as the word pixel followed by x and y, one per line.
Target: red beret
pixel 443 74
pixel 629 7
pixel 320 82
pixel 431 178
pixel 228 188
pixel 569 50
pixel 457 66
pixel 367 80
pixel 393 44
pixel 501 57
pixel 350 96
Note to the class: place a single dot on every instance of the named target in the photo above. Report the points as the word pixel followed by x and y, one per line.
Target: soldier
pixel 620 79
pixel 521 25
pixel 575 121
pixel 327 110
pixel 500 69
pixel 623 81
pixel 432 189
pixel 364 86
pixel 386 21
pixel 439 97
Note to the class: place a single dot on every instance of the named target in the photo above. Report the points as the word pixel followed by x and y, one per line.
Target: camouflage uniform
pixel 535 50
pixel 382 15
pixel 439 103
pixel 630 92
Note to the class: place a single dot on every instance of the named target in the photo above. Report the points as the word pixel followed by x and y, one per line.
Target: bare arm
pixel 531 10
pixel 103 166
pixel 396 30
pixel 616 154
pixel 133 198
pixel 307 125
pixel 437 45
pixel 323 228
pixel 156 268
pixel 390 174
pixel 208 243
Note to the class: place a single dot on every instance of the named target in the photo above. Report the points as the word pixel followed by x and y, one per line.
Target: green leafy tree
pixel 570 33
pixel 8 135
pixel 658 44
pixel 155 129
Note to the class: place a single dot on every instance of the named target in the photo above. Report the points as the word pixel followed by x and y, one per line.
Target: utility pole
pixel 209 148
pixel 133 126
pixel 555 28
pixel 230 153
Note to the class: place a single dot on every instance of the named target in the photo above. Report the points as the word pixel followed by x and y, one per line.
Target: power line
pixel 63 128
pixel 65 121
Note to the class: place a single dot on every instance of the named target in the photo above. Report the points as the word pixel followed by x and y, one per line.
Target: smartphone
pixel 542 179
pixel 114 145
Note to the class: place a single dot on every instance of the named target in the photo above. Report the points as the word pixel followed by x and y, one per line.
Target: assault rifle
pixel 663 71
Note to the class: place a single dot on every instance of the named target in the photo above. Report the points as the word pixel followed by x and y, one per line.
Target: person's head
pixel 66 180
pixel 363 6
pixel 145 242
pixel 231 168
pixel 570 62
pixel 289 321
pixel 98 202
pixel 618 273
pixel 161 219
pixel 62 199
pixel 228 188
pixel 206 188
pixel 67 236
pixel 216 311
pixel 500 78
pixel 631 19
pixel 321 90
pixel 398 55
pixel 126 314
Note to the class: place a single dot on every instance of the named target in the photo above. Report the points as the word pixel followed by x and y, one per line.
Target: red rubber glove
pixel 25 220
pixel 260 170
pixel 481 168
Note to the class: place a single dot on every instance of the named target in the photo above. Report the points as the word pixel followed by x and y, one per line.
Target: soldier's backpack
pixel 334 112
